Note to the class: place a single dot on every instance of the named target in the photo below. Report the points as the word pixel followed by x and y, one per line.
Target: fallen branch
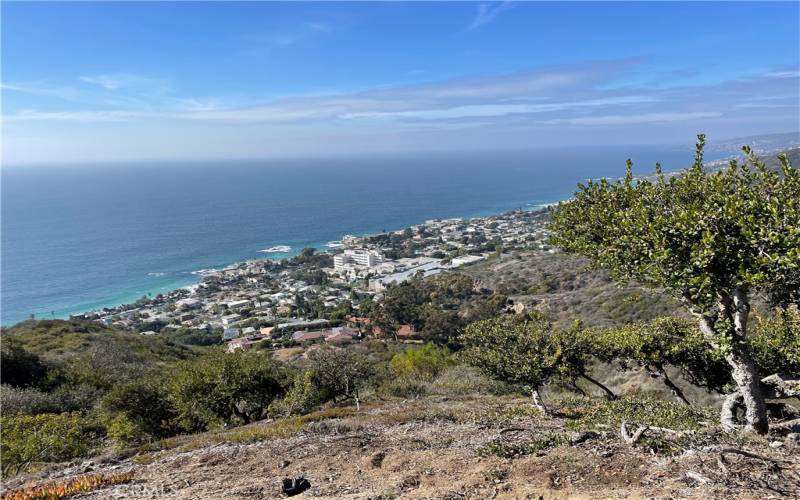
pixel 786 425
pixel 628 438
pixel 722 450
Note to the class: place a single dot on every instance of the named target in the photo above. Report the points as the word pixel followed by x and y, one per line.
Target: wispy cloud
pixel 488 12
pixel 591 95
pixel 41 88
pixel 636 119
pixel 287 36
pixel 127 81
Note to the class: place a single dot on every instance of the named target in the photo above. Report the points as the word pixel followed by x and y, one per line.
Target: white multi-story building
pixel 352 259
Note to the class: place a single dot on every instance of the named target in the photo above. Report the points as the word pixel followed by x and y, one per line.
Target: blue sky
pixel 130 81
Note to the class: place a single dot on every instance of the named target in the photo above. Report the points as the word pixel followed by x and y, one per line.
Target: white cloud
pixel 41 88
pixel 488 12
pixel 127 81
pixel 635 119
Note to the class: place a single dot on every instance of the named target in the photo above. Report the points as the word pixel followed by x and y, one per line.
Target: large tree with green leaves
pixel 713 239
pixel 526 350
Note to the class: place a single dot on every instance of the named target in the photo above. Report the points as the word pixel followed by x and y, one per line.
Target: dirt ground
pixel 431 448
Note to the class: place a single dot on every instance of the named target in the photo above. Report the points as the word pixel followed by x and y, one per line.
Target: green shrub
pixel 26 440
pixel 138 411
pixel 32 401
pixel 539 443
pixel 340 373
pixel 225 388
pixel 299 399
pixel 588 413
pixel 422 363
pixel 776 342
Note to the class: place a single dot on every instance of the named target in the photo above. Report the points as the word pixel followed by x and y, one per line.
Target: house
pixel 341 334
pixel 307 336
pixel 230 319
pixel 249 331
pixel 406 332
pixel 230 333
pixel 148 332
pixel 266 331
pixel 239 304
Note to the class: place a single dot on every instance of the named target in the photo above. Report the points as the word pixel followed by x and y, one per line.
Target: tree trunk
pixel 747 380
pixel 734 310
pixel 609 393
pixel 660 372
pixel 537 400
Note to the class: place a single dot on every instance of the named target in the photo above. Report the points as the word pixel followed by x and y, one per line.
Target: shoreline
pixel 185 279
pixel 126 298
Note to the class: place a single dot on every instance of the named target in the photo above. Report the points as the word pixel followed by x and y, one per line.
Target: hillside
pixel 56 340
pixel 562 287
pixel 477 446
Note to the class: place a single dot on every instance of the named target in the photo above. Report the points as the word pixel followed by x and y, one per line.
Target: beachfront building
pixel 354 259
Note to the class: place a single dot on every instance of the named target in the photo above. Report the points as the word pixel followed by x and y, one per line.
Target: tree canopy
pixel 710 238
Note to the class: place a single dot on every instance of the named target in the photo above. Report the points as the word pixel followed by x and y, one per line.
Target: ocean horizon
pixel 79 238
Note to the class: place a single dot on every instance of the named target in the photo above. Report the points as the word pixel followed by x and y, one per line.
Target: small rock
pixel 793 437
pixel 580 437
pixel 292 487
pixel 284 464
pixel 776 444
pixel 377 459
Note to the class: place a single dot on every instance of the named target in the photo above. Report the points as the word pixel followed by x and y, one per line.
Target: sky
pixel 120 81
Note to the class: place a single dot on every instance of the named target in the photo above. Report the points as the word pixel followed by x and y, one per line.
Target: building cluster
pixel 250 302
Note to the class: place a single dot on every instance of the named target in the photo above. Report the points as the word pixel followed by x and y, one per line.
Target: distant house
pixel 356 321
pixel 230 319
pixel 239 304
pixel 249 331
pixel 148 332
pixel 307 336
pixel 406 332
pixel 403 332
pixel 341 335
pixel 266 331
pixel 230 333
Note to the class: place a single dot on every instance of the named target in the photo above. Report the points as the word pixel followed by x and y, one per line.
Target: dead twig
pixel 627 437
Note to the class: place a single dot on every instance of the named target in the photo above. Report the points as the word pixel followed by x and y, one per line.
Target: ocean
pixel 82 237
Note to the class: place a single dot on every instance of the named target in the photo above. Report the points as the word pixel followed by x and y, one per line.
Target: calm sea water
pixel 76 238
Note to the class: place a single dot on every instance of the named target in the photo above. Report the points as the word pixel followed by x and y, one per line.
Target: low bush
pixel 586 413
pixel 29 439
pixel 539 443
pixel 299 399
pixel 139 411
pixel 422 363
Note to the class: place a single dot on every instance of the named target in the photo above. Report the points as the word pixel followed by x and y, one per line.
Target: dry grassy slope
pixel 562 287
pixel 430 449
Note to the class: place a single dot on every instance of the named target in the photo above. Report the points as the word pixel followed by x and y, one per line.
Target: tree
pixel 225 388
pixel 340 372
pixel 665 342
pixel 138 410
pixel 713 239
pixel 513 348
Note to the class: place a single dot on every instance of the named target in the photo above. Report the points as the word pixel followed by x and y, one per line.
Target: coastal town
pixel 316 295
